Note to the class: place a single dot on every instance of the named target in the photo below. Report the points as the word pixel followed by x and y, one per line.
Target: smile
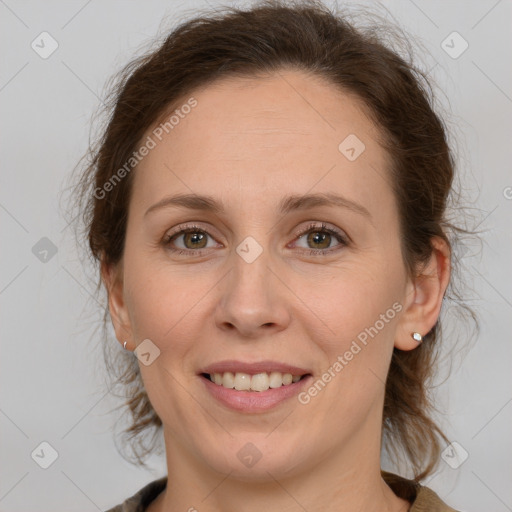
pixel 251 401
pixel 241 381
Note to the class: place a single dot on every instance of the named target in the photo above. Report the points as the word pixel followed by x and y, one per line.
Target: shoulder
pixel 142 498
pixel 421 498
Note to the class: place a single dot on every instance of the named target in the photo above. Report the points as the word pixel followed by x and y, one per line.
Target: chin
pixel 252 458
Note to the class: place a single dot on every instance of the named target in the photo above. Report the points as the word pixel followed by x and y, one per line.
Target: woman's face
pixel 261 279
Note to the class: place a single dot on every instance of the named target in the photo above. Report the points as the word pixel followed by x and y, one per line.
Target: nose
pixel 253 299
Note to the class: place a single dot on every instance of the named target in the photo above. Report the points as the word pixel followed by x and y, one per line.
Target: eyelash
pixel 311 228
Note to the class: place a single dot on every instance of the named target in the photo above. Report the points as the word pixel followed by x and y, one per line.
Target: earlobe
pixel 415 339
pixel 428 290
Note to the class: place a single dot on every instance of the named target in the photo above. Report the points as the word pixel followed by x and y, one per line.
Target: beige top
pixel 422 498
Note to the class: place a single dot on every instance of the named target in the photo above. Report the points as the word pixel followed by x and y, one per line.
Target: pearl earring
pixel 124 345
pixel 417 336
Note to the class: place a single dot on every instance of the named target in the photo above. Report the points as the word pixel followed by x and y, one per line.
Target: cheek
pixel 169 305
pixel 352 300
pixel 357 355
pixel 160 300
pixel 360 307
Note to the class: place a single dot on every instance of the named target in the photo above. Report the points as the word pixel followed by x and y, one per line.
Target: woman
pixel 267 208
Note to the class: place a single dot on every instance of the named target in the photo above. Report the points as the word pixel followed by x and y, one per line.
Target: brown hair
pixel 267 38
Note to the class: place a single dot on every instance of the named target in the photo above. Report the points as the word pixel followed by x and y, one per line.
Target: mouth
pixel 259 382
pixel 254 394
pixel 253 387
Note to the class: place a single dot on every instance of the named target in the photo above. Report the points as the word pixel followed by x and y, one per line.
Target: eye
pixel 194 239
pixel 322 236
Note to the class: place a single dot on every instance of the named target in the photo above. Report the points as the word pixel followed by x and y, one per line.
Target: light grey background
pixel 51 366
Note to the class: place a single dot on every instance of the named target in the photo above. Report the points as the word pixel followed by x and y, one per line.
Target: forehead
pixel 278 132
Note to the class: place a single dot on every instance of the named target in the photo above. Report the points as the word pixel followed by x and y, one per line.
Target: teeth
pixel 242 382
pixel 259 382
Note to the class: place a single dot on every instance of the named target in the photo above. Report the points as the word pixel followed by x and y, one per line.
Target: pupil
pixel 318 238
pixel 195 237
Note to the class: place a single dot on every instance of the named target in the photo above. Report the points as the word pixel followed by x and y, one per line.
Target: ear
pixel 112 277
pixel 425 297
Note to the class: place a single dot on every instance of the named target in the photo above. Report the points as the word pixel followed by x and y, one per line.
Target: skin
pixel 248 143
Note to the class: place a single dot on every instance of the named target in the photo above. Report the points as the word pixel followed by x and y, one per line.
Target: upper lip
pixel 252 368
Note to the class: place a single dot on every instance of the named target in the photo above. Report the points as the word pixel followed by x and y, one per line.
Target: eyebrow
pixel 287 204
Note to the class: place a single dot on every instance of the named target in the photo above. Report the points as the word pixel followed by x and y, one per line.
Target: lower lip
pixel 254 401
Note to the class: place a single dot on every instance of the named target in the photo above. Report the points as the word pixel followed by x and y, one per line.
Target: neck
pixel 344 480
